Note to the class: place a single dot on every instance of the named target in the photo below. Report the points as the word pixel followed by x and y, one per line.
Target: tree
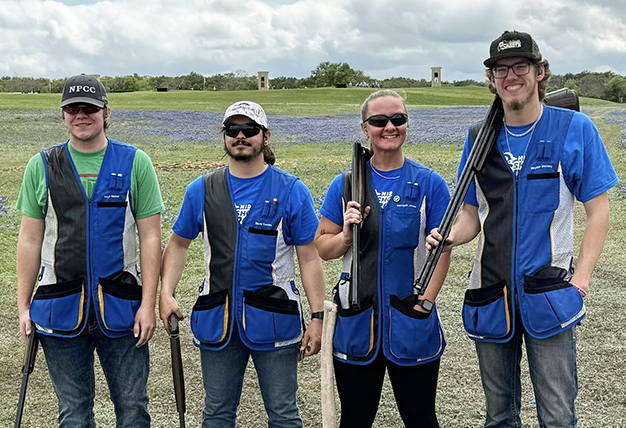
pixel 334 73
pixel 571 84
pixel 616 90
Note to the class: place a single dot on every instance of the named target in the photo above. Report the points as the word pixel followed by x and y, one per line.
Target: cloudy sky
pixel 383 38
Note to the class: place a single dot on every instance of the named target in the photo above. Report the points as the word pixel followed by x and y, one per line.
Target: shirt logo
pixel 242 211
pixel 383 197
pixel 509 44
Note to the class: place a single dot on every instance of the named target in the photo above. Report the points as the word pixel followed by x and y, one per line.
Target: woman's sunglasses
pixel 248 130
pixel 87 109
pixel 380 120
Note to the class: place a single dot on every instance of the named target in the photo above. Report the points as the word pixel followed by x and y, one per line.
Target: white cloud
pixel 382 38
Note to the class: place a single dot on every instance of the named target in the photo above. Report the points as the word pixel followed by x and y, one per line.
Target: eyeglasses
pixel 248 130
pixel 380 120
pixel 75 109
pixel 519 69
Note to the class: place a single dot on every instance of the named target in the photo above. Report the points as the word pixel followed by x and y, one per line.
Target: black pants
pixel 360 387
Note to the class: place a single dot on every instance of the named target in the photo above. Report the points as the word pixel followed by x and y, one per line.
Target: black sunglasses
pixel 87 109
pixel 380 120
pixel 248 130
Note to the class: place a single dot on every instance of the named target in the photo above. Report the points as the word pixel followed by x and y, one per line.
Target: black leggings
pixel 360 387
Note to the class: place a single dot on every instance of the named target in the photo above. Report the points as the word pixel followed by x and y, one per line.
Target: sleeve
pixel 332 208
pixel 470 196
pixel 32 198
pixel 587 168
pixel 439 197
pixel 189 222
pixel 302 221
pixel 148 200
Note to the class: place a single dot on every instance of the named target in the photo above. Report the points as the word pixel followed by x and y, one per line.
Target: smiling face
pixel 390 137
pixel 517 91
pixel 85 127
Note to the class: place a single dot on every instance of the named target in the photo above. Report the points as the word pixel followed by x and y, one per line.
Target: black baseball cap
pixel 513 44
pixel 84 89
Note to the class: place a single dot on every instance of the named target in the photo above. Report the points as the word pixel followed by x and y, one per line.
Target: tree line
pixel 606 85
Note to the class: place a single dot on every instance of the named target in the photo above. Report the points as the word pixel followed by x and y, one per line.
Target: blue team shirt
pixel 299 225
pixel 437 195
pixel 587 168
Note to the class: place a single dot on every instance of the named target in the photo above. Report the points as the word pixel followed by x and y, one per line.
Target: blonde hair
pixel 379 94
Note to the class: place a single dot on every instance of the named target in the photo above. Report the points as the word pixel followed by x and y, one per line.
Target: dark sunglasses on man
pixel 519 69
pixel 76 108
pixel 248 130
pixel 380 120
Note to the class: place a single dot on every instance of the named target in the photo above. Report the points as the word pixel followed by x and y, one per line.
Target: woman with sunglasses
pixel 392 329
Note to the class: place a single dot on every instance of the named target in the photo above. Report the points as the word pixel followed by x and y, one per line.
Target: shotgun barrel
pixel 177 369
pixel 358 195
pixel 27 369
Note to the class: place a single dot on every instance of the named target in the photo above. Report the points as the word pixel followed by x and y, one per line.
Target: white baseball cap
pixel 249 109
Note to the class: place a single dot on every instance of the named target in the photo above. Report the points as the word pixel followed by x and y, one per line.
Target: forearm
pixel 330 246
pixel 173 264
pixel 150 251
pixel 312 276
pixel 439 276
pixel 597 227
pixel 466 226
pixel 28 260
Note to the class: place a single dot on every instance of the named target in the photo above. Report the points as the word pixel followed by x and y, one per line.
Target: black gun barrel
pixel 29 364
pixel 358 184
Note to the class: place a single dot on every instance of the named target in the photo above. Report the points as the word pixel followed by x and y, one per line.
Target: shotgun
pixel 483 143
pixel 358 194
pixel 177 369
pixel 27 369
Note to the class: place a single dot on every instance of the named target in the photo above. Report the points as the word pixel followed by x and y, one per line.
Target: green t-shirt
pixel 144 186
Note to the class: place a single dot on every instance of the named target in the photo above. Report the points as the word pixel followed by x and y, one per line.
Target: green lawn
pixel 601 338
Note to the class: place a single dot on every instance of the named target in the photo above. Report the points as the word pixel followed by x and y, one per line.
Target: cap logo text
pixel 80 88
pixel 509 44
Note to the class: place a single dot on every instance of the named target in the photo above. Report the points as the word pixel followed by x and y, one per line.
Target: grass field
pixel 304 145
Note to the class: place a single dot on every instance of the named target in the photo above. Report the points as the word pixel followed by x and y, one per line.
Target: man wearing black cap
pixel 523 286
pixel 83 203
pixel 253 218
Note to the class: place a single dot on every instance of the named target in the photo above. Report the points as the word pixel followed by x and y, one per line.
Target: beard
pixel 517 105
pixel 243 157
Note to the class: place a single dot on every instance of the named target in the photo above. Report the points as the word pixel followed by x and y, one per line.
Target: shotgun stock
pixel 27 369
pixel 487 136
pixel 177 370
pixel 358 195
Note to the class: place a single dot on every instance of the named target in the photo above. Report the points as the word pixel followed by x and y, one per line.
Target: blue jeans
pixel 223 371
pixel 552 365
pixel 71 367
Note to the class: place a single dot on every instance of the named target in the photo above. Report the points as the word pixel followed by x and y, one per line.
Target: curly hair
pixel 543 83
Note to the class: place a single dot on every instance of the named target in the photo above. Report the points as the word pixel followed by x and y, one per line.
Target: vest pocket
pixel 486 312
pixel 412 334
pixel 550 299
pixel 543 192
pixel 110 217
pixel 262 244
pixel 119 298
pixel 270 316
pixel 59 307
pixel 354 332
pixel 209 317
pixel 405 228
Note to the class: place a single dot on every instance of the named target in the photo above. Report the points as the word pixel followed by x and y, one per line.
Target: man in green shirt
pixel 83 204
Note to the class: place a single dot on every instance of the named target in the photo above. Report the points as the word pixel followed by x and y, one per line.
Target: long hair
pixel 543 83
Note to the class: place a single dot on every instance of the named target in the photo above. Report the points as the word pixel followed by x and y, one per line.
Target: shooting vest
pixel 88 255
pixel 250 277
pixel 525 247
pixel 392 254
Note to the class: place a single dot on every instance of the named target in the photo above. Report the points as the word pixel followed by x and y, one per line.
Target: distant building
pixel 263 80
pixel 435 76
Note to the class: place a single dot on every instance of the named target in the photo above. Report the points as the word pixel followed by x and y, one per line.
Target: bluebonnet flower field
pixel 184 143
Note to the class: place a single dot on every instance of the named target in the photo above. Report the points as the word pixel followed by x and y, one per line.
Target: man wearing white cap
pixel 253 218
pixel 83 203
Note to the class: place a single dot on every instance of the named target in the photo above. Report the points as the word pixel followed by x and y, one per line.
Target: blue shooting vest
pixel 88 255
pixel 250 277
pixel 392 254
pixel 525 248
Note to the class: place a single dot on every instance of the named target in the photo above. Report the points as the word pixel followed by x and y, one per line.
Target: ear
pixel 364 129
pixel 540 72
pixel 266 136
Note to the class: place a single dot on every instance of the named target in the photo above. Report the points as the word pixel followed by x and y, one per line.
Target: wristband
pixel 317 315
pixel 580 290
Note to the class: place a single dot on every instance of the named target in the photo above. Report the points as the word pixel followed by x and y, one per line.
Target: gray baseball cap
pixel 249 109
pixel 84 89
